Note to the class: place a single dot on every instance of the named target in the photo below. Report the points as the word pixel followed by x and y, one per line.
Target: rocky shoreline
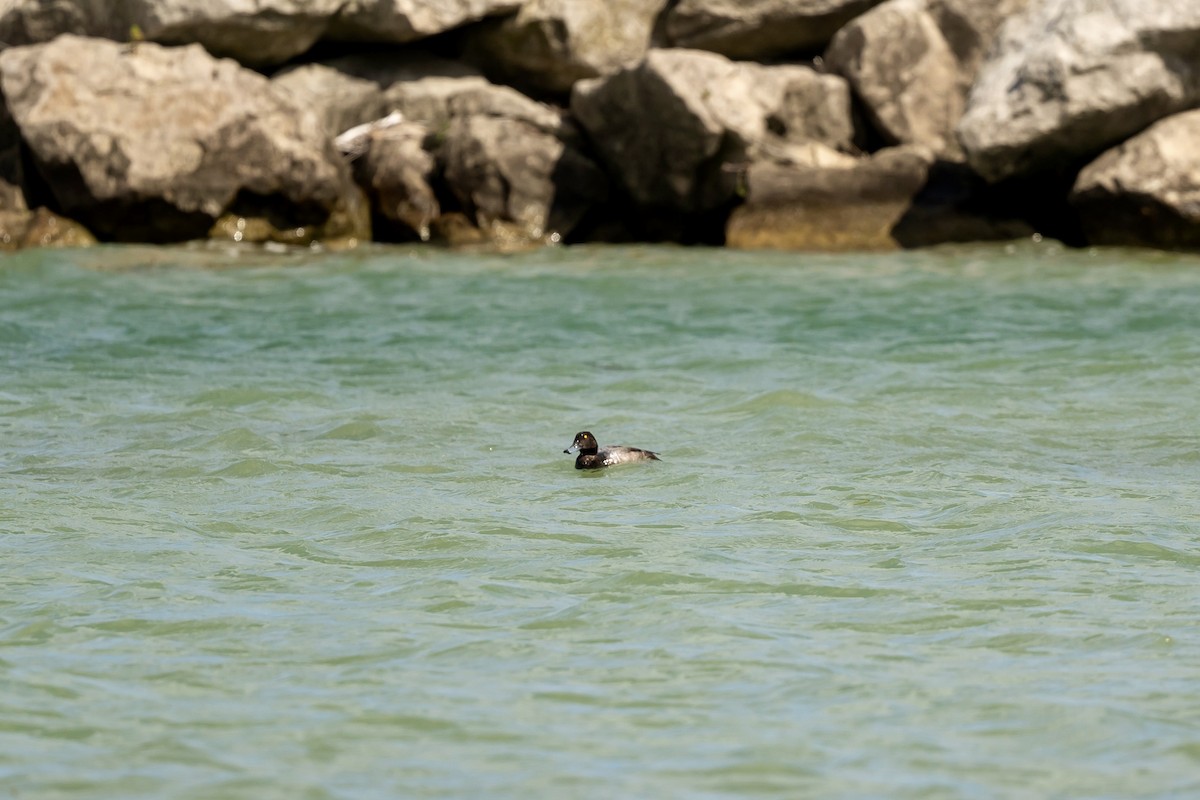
pixel 794 124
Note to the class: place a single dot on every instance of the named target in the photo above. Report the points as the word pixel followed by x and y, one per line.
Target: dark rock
pixel 1146 191
pixel 25 22
pixel 401 21
pixel 507 170
pixel 759 29
pixel 396 171
pixel 956 205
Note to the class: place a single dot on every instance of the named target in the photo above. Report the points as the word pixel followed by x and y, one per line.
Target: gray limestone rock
pixel 911 62
pixel 147 143
pixel 506 169
pixel 676 127
pixel 1070 78
pixel 551 44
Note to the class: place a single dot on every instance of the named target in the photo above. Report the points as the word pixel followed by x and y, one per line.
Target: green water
pixel 927 525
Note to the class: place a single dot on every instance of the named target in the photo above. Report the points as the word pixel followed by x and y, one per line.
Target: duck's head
pixel 584 443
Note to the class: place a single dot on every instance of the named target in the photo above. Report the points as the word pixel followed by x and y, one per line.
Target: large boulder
pixel 35 21
pixel 911 62
pixel 401 21
pixel 1071 78
pixel 516 167
pixel 759 28
pixel 260 32
pixel 676 127
pixel 508 172
pixel 1145 191
pixel 551 44
pixel 833 202
pixel 352 90
pixel 393 166
pixel 254 32
pixel 147 143
pixel 435 101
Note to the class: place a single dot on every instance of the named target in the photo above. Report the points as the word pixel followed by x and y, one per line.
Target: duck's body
pixel 593 456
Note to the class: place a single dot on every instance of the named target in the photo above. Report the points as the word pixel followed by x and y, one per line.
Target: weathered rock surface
pixel 352 90
pixel 672 127
pixel 839 203
pixel 550 44
pixel 393 166
pixel 516 166
pixel 254 32
pixel 20 229
pixel 1070 78
pixel 759 28
pixel 259 32
pixel 437 100
pixel 401 21
pixel 505 169
pixel 1145 191
pixel 35 21
pixel 426 89
pixel 911 62
pixel 147 143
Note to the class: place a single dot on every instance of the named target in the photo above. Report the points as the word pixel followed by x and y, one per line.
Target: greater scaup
pixel 593 456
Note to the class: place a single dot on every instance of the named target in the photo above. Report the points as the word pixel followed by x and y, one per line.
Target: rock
pixel 956 205
pixel 401 21
pixel 1146 191
pixel 841 204
pixel 757 29
pixel 35 21
pixel 911 62
pixel 426 89
pixel 1070 78
pixel 12 170
pixel 397 172
pixel 673 126
pixel 507 170
pixel 254 32
pixel 21 228
pixel 259 32
pixel 351 90
pixel 436 100
pixel 147 143
pixel 550 44
pixel 515 165
pixel 971 27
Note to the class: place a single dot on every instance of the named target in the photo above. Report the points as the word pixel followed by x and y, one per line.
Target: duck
pixel 593 456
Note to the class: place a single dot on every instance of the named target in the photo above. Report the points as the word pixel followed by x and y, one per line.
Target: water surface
pixel 926 524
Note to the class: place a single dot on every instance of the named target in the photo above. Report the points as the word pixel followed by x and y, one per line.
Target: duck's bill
pixel 569 449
